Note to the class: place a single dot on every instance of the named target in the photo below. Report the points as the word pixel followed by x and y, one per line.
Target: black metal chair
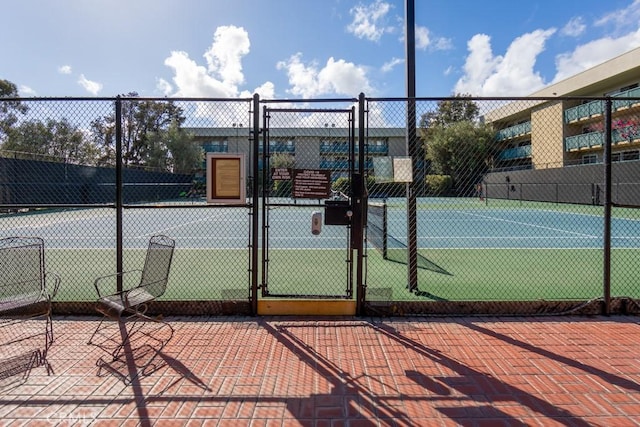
pixel 26 292
pixel 149 284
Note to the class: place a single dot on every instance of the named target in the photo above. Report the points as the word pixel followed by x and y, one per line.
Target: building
pixel 533 133
pixel 547 134
pixel 310 148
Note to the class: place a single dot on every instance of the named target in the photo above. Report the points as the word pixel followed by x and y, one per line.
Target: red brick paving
pixel 230 371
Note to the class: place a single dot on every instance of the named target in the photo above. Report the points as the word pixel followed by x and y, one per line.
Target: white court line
pixel 529 224
pixel 182 225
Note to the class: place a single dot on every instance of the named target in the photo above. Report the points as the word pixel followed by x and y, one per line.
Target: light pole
pixel 237 126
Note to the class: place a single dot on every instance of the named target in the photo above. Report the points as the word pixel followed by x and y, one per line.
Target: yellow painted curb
pixel 305 307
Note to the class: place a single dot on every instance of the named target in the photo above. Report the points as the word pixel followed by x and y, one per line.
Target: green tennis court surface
pixel 503 251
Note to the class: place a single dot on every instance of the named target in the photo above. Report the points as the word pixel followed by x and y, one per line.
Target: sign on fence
pixel 226 178
pixel 311 184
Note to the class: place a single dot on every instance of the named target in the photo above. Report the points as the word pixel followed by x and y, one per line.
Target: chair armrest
pixel 54 283
pixel 106 285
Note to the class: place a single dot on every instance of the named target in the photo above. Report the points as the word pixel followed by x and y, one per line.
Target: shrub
pixel 438 185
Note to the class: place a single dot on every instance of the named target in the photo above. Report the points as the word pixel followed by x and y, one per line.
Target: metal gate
pixel 308 164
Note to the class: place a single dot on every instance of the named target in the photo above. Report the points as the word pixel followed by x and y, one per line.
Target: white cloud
pixel 90 86
pixel 368 21
pixel 335 78
pixel 622 19
pixel 266 91
pixel 479 65
pixel 442 43
pixel 424 40
pixel 222 76
pixel 223 73
pixel 64 69
pixel 26 91
pixel 344 77
pixel 193 80
pixel 224 57
pixel 510 75
pixel 164 87
pixel 422 37
pixel 390 65
pixel 593 53
pixel 574 28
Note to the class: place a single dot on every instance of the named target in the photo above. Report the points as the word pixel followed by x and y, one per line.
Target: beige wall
pixel 547 136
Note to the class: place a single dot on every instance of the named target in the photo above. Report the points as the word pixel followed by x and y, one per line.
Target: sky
pixel 305 49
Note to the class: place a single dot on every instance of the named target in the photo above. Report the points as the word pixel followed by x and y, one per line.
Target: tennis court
pixel 468 250
pixel 473 224
pixel 508 250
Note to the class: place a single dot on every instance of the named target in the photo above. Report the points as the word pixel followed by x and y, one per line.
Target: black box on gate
pixel 337 212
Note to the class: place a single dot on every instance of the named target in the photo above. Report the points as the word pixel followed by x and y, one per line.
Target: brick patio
pixel 285 371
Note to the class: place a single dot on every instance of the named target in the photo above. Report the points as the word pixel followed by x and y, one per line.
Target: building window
pixel 589 158
pixel 630 155
pixel 220 146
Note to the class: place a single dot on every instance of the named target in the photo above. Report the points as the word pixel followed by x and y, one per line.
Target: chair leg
pixel 49 332
pixel 95 332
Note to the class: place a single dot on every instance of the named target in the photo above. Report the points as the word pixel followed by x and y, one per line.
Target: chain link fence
pixel 61 179
pixel 495 206
pixel 512 208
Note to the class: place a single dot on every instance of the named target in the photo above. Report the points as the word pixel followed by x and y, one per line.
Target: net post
pixel 385 231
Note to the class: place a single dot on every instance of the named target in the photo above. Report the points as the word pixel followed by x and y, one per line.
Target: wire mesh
pixel 510 200
pixel 305 254
pixel 510 215
pixel 59 181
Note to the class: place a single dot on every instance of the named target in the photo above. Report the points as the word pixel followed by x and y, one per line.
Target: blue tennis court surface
pixel 512 228
pixel 290 228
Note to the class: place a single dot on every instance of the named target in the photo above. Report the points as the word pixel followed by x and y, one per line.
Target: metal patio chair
pixel 26 292
pixel 140 287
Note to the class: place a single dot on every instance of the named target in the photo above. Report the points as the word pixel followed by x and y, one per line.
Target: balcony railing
pixel 215 148
pixel 343 149
pixel 334 148
pixel 596 139
pixel 619 104
pixel 596 108
pixel 377 149
pixel 514 131
pixel 586 140
pixel 280 148
pixel 515 153
pixel 342 164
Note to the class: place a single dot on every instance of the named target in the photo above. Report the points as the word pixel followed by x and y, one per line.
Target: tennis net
pixel 390 247
pixel 377 232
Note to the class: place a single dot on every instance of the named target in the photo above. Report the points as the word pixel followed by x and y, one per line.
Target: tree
pixel 59 141
pixel 457 143
pixel 186 154
pixel 145 125
pixel 458 109
pixel 9 109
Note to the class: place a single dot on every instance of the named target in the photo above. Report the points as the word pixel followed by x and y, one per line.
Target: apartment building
pixel 324 148
pixel 536 134
pixel 533 133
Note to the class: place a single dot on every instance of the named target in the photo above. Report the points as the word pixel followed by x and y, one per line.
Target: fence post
pixel 412 151
pixel 255 202
pixel 607 208
pixel 360 213
pixel 119 243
